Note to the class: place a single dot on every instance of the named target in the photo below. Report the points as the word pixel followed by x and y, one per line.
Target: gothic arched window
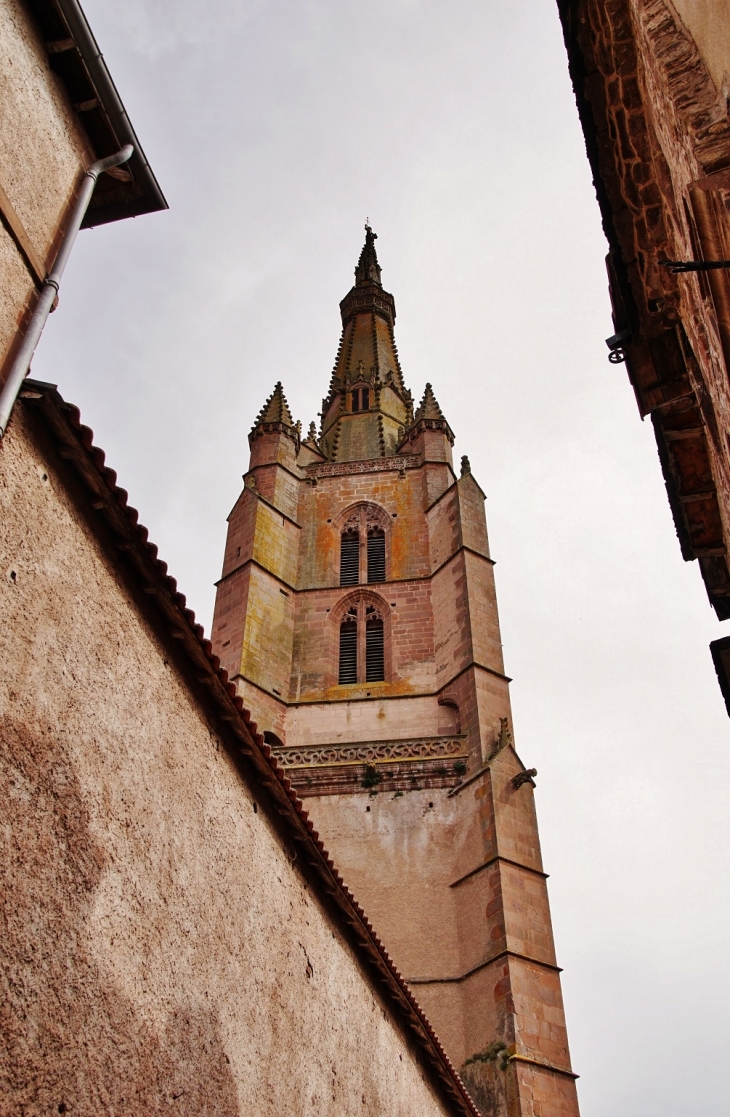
pixel 363 545
pixel 362 644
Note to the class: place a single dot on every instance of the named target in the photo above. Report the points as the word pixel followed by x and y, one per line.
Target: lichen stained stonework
pixel 357 616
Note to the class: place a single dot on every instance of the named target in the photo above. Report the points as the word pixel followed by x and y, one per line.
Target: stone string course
pixel 374 465
pixel 371 751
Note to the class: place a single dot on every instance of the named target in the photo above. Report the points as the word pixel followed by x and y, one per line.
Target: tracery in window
pixel 365 530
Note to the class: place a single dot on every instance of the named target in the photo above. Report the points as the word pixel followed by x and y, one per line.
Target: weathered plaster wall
pixel 159 950
pixel 42 154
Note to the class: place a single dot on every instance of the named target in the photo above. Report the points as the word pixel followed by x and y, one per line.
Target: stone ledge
pixel 376 766
pixel 370 752
pixel 367 465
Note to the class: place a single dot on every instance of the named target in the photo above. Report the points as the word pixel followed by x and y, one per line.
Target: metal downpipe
pixel 49 290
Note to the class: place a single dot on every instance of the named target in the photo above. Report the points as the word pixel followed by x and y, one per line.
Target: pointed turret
pixel 274 436
pixel 428 408
pixel 429 435
pixel 429 417
pixel 275 411
pixel 367 401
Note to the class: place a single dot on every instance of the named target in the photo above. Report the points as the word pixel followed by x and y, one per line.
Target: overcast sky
pixel 275 128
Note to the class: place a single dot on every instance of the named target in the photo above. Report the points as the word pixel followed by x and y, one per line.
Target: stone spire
pixel 428 408
pixel 276 409
pixel 428 417
pixel 368 268
pixel 275 416
pixel 368 401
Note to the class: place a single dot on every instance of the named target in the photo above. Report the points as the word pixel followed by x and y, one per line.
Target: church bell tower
pixel 357 616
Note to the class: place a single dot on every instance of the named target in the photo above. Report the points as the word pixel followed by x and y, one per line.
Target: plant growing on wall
pixel 372 777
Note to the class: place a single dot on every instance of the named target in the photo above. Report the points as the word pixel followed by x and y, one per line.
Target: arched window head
pixel 363 545
pixel 448 717
pixel 362 644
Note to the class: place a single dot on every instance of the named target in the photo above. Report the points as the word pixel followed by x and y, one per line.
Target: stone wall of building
pixel 651 83
pixel 43 152
pixel 160 949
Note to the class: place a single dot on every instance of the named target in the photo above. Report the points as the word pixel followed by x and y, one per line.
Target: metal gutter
pixel 51 284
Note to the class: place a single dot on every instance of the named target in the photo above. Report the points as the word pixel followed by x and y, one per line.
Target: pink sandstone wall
pixel 160 949
pixel 409 778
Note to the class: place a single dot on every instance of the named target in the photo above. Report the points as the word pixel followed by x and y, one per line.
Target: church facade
pixel 357 616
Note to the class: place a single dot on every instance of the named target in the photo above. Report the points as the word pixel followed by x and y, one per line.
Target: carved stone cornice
pixel 371 465
pixel 376 766
pixel 369 299
pixel 430 425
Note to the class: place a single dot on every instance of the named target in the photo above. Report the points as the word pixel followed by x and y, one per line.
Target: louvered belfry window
pixel 350 559
pixel 348 648
pixel 374 649
pixel 362 645
pixel 376 556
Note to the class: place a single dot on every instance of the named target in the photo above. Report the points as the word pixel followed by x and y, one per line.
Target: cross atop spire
pixel 368 268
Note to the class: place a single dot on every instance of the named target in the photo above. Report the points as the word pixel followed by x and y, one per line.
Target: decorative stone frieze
pixel 419 748
pixel 374 465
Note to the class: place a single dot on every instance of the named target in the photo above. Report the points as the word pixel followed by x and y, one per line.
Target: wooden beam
pixel 15 227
